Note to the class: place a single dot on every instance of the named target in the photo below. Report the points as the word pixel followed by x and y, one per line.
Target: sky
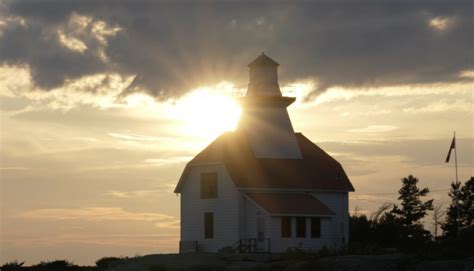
pixel 103 102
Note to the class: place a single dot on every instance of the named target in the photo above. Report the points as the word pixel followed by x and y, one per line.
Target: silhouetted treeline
pixel 393 227
pixel 400 227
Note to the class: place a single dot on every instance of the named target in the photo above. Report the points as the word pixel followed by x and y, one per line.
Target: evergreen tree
pixel 450 226
pixel 412 208
pixel 467 204
pixel 461 209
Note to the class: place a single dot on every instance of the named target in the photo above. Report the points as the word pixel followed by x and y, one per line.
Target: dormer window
pixel 208 185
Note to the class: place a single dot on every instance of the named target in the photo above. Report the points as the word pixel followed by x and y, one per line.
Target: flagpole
pixel 456 157
pixel 457 182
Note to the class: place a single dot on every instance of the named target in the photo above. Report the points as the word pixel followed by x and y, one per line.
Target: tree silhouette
pixel 438 215
pixel 412 208
pixel 460 214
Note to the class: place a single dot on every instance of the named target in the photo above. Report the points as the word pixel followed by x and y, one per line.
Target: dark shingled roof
pixel 290 204
pixel 263 60
pixel 317 170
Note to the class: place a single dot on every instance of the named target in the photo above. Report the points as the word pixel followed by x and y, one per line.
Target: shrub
pixel 106 262
pixel 58 265
pixel 12 266
pixel 296 254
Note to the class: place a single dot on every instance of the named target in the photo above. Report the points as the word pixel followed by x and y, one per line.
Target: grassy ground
pixel 286 262
pixel 386 262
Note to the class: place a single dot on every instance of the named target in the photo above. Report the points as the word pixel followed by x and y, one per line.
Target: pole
pixel 455 157
pixel 457 182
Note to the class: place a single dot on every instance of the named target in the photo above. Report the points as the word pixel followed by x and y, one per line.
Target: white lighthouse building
pixel 263 188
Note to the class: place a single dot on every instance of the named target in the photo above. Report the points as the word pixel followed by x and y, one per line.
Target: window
pixel 208 225
pixel 208 185
pixel 301 227
pixel 286 227
pixel 315 227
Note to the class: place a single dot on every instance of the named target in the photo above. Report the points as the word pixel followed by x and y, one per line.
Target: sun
pixel 207 112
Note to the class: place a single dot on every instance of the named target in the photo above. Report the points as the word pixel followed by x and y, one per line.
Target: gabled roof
pixel 263 60
pixel 290 204
pixel 317 170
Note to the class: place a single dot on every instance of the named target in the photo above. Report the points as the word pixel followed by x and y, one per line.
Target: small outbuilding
pixel 263 187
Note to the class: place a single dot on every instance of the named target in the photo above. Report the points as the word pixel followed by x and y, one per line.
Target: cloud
pixel 421 152
pixel 421 90
pixel 167 188
pixel 168 225
pixel 441 106
pixel 165 240
pixel 168 160
pixel 137 137
pixel 337 43
pixel 71 42
pixel 92 214
pixel 375 129
pixel 441 23
pixel 101 90
pixel 467 73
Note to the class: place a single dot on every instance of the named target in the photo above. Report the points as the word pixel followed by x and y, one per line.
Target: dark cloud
pixel 171 47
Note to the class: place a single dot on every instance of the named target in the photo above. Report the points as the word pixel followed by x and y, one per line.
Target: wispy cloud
pixel 467 74
pixel 375 129
pixel 345 94
pixel 441 23
pixel 442 106
pixel 168 161
pixel 136 137
pixel 133 194
pixel 168 224
pixel 92 214
pixel 167 241
pixel 88 139
pixel 157 190
pixel 14 168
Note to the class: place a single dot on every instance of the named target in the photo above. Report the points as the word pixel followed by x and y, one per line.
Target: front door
pixel 261 242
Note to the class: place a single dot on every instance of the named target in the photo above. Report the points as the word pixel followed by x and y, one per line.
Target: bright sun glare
pixel 208 111
pixel 204 112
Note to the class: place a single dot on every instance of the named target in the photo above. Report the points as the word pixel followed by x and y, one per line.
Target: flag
pixel 453 145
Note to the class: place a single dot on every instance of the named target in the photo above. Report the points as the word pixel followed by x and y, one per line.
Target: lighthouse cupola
pixel 265 120
pixel 263 77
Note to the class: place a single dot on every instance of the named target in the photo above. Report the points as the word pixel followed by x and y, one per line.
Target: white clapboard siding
pixel 252 212
pixel 338 202
pixel 225 208
pixel 330 233
pixel 188 247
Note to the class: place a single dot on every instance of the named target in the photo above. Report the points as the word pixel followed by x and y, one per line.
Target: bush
pixel 12 266
pixel 296 254
pixel 363 248
pixel 106 262
pixel 58 265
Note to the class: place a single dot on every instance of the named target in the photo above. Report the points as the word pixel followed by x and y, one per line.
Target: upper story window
pixel 208 185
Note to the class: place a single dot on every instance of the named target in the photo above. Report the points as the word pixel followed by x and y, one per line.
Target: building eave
pixel 246 189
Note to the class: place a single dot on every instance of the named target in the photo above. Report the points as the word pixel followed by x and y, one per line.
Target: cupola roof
pixel 263 60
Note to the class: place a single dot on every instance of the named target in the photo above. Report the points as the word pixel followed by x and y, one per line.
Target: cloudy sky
pixel 103 102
